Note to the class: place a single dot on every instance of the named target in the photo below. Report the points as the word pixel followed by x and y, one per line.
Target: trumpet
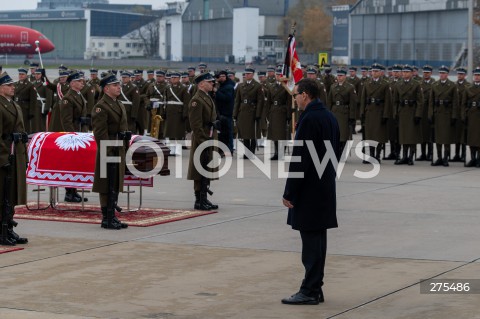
pixel 156 119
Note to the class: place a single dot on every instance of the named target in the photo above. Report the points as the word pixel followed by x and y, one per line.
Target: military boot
pixel 473 160
pixel 410 156
pixel 107 220
pixel 212 206
pixel 70 196
pixel 463 154
pixel 404 159
pixel 6 240
pixel 456 158
pixel 429 151
pixel 13 235
pixel 446 157
pixel 439 161
pixel 203 205
pixel 197 201
pixel 423 157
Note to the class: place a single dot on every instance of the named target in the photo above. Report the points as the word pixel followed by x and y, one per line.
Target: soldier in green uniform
pixel 415 76
pixel 460 146
pixel 364 77
pixel 130 98
pixel 142 86
pixel 392 123
pixel 312 73
pixel 11 131
pixel 191 74
pixel 376 110
pixel 26 97
pixel 328 78
pixel 109 121
pixel 278 110
pixel 426 146
pixel 202 67
pixel 94 82
pixel 342 101
pixel 33 67
pixel 202 116
pixel 156 94
pixel 271 77
pixel 470 115
pixel 408 111
pixel 443 110
pixel 59 87
pixel 176 110
pixel 247 112
pixel 150 76
pixel 354 80
pixel 262 128
pixel 44 102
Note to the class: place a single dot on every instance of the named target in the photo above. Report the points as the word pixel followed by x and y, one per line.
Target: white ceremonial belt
pixel 174 103
pixel 125 102
pixel 41 99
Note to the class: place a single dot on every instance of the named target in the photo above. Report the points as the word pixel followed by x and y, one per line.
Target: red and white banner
pixel 66 159
pixel 292 68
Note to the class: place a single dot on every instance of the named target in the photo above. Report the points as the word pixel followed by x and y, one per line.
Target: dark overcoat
pixel 471 114
pixel 278 111
pixel 313 196
pixel 425 124
pixel 408 104
pixel 249 100
pixel 342 101
pixel 443 108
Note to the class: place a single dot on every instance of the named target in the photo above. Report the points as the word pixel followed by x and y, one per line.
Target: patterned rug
pixel 92 215
pixel 8 249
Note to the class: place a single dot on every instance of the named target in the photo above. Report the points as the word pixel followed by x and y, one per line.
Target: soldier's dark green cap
pixel 62 73
pixel 62 67
pixel 352 68
pixel 461 70
pixel 279 71
pixel 160 73
pixel 390 68
pixel 427 68
pixel 415 68
pixel 326 66
pixel 396 68
pixel 108 78
pixel 249 69
pixel 341 71
pixel 204 77
pixel 311 70
pixel 93 71
pixel 125 74
pixel 271 68
pixel 376 67
pixel 202 65
pixel 262 73
pixel 191 68
pixel 138 72
pixel 444 69
pixel 39 70
pixel 175 74
pixel 407 68
pixel 74 76
pixel 22 70
pixel 5 79
pixel 33 65
pixel 229 72
pixel 184 74
pixel 113 71
pixel 476 71
pixel 150 72
pixel 364 68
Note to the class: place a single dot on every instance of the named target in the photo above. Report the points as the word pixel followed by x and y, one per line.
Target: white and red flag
pixel 292 68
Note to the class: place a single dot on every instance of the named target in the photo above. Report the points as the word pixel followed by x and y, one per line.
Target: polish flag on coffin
pixel 65 159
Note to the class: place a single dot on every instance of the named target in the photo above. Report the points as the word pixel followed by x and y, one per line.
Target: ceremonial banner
pixel 292 69
pixel 66 159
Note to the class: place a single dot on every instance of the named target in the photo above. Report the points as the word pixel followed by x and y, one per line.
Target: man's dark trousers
pixel 314 251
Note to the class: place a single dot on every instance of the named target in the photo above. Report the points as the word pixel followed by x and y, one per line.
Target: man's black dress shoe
pixel 301 299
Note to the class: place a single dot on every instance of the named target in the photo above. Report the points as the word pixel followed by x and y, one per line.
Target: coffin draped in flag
pixel 66 159
pixel 292 68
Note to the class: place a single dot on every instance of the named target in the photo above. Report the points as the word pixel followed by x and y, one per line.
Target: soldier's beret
pixel 249 69
pixel 191 68
pixel 427 68
pixel 5 79
pixel 461 70
pixel 93 71
pixel 175 74
pixel 125 74
pixel 39 70
pixel 138 72
pixel 352 68
pixel 341 71
pixel 270 68
pixel 444 69
pixel 477 70
pixel 407 68
pixel 34 65
pixel 376 67
pixel 62 67
pixel 150 72
pixel 22 70
pixel 203 77
pixel 109 78
pixel 74 76
pixel 202 65
pixel 262 73
pixel 160 73
pixel 63 73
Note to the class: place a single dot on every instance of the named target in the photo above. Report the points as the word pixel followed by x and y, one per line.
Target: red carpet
pixel 141 218
pixel 8 249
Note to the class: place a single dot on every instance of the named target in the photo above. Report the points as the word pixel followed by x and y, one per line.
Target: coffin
pixel 145 158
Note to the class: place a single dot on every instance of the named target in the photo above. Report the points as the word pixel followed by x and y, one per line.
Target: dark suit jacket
pixel 313 196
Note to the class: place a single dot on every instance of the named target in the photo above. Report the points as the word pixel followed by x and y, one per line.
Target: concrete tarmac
pixel 407 224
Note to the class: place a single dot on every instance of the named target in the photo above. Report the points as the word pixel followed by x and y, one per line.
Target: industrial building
pixel 414 32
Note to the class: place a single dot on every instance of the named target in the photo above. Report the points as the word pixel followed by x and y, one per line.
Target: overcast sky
pixel 32 4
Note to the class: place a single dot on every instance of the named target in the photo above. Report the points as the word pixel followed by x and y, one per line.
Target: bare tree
pixel 150 36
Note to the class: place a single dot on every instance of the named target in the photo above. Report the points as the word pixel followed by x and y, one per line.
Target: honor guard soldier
pixel 443 111
pixel 156 97
pixel 26 97
pixel 150 76
pixel 408 111
pixel 471 117
pixel 44 102
pixel 278 109
pixel 33 67
pixel 203 120
pixel 176 110
pixel 109 121
pixel 426 147
pixel 94 82
pixel 376 109
pixel 460 146
pixel 130 98
pixel 262 128
pixel 191 74
pixel 328 78
pixel 312 73
pixel 271 77
pixel 354 80
pixel 342 101
pixel 13 161
pixel 88 93
pixel 202 67
pixel 142 86
pixel 73 118
pixel 248 109
pixel 392 123
pixel 59 87
pixel 416 77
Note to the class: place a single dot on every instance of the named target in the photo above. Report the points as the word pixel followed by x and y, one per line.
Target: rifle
pixel 7 209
